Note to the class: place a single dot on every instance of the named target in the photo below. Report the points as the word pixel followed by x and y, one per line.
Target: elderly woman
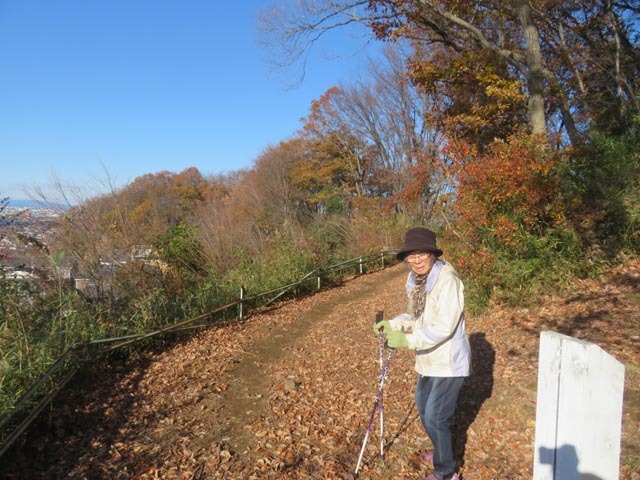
pixel 434 327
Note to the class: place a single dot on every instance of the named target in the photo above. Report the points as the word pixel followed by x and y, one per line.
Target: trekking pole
pixel 379 317
pixel 376 403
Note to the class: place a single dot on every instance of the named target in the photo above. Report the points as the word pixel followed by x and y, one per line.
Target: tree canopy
pixel 576 62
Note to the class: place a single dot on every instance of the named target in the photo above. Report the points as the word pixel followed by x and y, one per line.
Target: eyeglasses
pixel 417 257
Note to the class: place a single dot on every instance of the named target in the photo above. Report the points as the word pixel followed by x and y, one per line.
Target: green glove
pixel 384 324
pixel 397 339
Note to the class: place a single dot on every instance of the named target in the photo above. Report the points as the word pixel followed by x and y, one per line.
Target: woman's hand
pixel 397 339
pixel 381 327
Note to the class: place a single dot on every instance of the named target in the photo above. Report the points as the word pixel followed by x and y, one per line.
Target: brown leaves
pixel 218 406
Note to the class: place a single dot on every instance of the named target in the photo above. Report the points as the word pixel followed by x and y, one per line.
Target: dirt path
pixel 287 394
pixel 247 398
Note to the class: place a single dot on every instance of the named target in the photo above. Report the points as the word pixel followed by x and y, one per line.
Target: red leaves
pixel 514 180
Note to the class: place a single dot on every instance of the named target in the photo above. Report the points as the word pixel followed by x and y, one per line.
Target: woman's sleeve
pixel 403 321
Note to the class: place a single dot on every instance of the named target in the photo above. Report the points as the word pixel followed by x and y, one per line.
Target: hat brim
pixel 403 252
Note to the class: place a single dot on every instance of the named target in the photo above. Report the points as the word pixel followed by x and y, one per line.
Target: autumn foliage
pixel 438 133
pixel 509 215
pixel 511 190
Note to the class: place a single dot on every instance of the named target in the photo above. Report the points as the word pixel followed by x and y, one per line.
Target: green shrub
pixel 604 178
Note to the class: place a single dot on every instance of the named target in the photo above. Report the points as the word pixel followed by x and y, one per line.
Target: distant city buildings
pixel 27 233
pixel 19 259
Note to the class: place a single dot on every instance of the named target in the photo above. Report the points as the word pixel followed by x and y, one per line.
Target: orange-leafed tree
pixel 508 219
pixel 509 192
pixel 156 202
pixel 479 101
pixel 271 197
pixel 371 138
pixel 334 166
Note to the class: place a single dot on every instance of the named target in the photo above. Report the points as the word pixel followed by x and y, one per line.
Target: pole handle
pixel 379 318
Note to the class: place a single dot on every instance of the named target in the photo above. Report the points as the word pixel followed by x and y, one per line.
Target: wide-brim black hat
pixel 418 239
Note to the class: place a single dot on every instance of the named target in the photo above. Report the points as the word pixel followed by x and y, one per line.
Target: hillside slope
pixel 288 393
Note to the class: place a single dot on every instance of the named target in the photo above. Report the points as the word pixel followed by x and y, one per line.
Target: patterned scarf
pixel 418 296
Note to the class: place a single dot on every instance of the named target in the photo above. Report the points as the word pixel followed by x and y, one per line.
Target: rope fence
pixel 29 406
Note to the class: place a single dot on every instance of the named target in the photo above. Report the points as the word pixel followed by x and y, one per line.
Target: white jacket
pixel 443 307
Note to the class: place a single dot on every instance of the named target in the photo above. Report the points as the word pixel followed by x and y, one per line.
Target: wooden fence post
pixel 241 305
pixel 578 412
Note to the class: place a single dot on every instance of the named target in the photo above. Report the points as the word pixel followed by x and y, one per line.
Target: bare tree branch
pixel 292 30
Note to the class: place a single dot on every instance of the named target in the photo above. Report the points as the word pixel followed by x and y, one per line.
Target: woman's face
pixel 420 262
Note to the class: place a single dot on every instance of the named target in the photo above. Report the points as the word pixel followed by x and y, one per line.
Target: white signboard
pixel 579 411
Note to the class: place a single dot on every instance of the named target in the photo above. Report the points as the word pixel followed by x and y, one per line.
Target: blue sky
pixel 97 89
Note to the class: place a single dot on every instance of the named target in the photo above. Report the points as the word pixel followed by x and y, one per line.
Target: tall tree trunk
pixel 534 69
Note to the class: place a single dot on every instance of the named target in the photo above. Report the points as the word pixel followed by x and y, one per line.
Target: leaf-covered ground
pixel 287 394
